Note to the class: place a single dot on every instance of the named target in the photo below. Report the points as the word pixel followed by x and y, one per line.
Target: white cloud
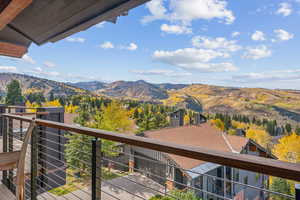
pixel 185 11
pixel 100 25
pixel 218 43
pixel 8 68
pixel 157 10
pixel 257 52
pixel 187 55
pixel 195 59
pixel 76 39
pixel 209 67
pixel 283 75
pixel 284 9
pixel 283 35
pixel 258 36
pixel 235 34
pixel 175 29
pixel 28 59
pixel 160 72
pixel 132 47
pixel 49 64
pixel 40 71
pixel 107 45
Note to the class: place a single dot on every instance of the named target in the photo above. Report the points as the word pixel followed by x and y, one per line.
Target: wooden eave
pixel 12 10
pixel 12 50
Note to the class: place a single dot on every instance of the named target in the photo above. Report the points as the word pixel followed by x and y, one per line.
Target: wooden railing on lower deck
pixel 247 162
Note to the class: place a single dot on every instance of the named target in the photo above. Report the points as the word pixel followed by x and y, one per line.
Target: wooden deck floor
pixel 5 194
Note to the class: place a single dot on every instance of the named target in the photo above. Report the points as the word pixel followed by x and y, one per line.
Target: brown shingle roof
pixel 204 136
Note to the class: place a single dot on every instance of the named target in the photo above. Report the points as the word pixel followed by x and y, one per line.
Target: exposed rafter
pixel 14 8
pixel 13 50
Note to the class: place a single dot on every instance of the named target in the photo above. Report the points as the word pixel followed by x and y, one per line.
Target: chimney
pixel 177 118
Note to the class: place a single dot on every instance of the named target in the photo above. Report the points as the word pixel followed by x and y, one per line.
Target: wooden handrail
pixel 247 162
pixel 30 113
pixel 21 107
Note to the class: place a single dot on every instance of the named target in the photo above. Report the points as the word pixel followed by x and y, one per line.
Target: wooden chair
pixel 16 160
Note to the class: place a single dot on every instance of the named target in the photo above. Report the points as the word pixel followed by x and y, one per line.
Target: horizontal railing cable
pixel 246 162
pixel 206 175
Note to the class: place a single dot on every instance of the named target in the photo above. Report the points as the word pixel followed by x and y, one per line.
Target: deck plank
pixel 5 194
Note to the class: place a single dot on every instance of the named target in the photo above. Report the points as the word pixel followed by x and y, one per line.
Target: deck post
pixel 34 165
pixel 2 111
pixel 10 149
pixel 4 146
pixel 96 169
pixel 297 193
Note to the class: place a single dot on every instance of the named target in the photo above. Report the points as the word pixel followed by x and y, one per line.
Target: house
pixel 182 171
pixel 177 118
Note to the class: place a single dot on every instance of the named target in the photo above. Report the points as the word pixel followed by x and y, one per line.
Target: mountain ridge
pixel 32 83
pixel 280 104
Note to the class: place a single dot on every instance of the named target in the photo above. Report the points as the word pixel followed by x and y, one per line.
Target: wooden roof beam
pixel 12 50
pixel 12 10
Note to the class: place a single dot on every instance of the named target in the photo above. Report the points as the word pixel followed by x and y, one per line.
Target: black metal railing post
pixel 34 165
pixel 297 193
pixel 10 149
pixel 21 130
pixel 2 111
pixel 96 169
pixel 4 146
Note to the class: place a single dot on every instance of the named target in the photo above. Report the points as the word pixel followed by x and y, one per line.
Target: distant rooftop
pixel 202 136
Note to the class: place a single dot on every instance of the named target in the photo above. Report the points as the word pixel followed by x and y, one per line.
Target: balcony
pixel 126 170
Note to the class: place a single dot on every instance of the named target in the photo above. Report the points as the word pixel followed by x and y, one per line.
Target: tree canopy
pixel 113 117
pixel 177 194
pixel 259 136
pixel 14 94
pixel 288 148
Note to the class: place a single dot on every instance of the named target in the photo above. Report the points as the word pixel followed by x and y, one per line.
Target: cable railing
pixel 72 162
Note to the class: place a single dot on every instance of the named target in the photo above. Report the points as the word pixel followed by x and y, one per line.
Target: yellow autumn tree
pixel 218 123
pixel 232 132
pixel 54 103
pixel 239 125
pixel 259 136
pixel 186 120
pixel 31 106
pixel 71 108
pixel 114 117
pixel 288 148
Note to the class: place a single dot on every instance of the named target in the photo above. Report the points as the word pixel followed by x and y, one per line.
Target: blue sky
pixel 249 43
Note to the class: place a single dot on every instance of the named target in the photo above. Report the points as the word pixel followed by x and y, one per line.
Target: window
pixel 198 182
pixel 246 180
pixel 237 176
pixel 228 173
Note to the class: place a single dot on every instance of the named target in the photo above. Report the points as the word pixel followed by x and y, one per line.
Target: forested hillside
pixel 32 84
pixel 282 105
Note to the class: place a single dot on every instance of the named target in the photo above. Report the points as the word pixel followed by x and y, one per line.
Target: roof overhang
pixel 40 21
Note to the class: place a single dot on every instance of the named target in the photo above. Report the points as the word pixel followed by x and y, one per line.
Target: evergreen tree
pixel 136 114
pixel 51 97
pixel 297 130
pixel 14 94
pixel 37 97
pixel 288 128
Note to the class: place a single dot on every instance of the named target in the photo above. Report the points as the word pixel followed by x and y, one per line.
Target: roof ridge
pixel 228 143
